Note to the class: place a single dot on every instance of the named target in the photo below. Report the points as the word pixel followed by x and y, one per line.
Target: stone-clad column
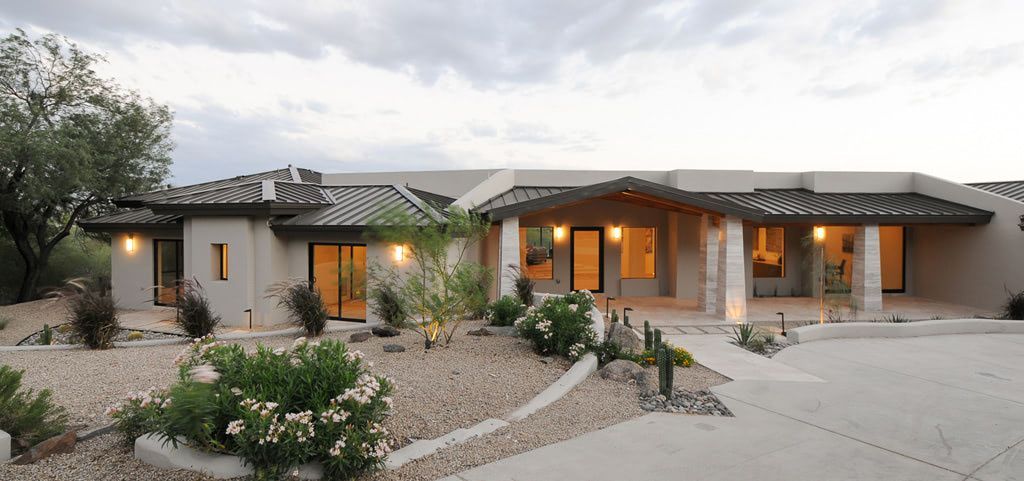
pixel 867 268
pixel 731 300
pixel 707 268
pixel 508 254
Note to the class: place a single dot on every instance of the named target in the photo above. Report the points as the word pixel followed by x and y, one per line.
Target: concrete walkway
pixel 930 408
pixel 716 353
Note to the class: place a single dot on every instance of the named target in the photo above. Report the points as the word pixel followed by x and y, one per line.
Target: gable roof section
pixel 437 201
pixel 1013 189
pixel 631 186
pixel 519 194
pixel 356 206
pixel 138 200
pixel 802 205
pixel 131 219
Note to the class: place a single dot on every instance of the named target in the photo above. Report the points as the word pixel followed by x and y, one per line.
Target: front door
pixel 586 248
pixel 338 271
pixel 168 270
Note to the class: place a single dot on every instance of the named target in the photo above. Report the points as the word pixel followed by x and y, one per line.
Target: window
pixel 220 261
pixel 536 251
pixel 638 252
pixel 769 249
pixel 168 270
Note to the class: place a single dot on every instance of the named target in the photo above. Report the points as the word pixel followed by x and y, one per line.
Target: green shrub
pixel 46 336
pixel 895 318
pixel 680 357
pixel 744 334
pixel 769 337
pixel 28 417
pixel 608 351
pixel 522 285
pixel 303 302
pixel 93 318
pixel 561 325
pixel 136 336
pixel 1013 308
pixel 386 299
pixel 195 317
pixel 476 280
pixel 505 311
pixel 4 321
pixel 275 408
pixel 65 328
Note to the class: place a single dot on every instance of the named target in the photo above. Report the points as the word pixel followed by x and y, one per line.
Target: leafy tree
pixel 70 142
pixel 440 286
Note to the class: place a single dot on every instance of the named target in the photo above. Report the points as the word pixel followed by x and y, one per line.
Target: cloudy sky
pixel 926 85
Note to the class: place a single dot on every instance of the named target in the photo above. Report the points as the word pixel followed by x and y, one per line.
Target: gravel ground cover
pixel 62 337
pixel 29 317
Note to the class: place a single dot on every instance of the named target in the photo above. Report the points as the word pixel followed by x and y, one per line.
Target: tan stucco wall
pixel 229 298
pixel 131 273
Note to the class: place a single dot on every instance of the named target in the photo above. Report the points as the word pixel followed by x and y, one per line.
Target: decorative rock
pixel 394 348
pixel 702 402
pixel 359 336
pixel 59 444
pixel 480 332
pixel 621 370
pixel 547 360
pixel 5 446
pixel 501 330
pixel 385 331
pixel 626 338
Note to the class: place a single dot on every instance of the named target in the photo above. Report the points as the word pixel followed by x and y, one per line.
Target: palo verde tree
pixel 70 142
pixel 440 285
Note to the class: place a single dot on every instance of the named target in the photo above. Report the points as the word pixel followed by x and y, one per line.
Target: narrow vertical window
pixel 220 261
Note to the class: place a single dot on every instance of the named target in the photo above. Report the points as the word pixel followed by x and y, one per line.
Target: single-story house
pixel 719 237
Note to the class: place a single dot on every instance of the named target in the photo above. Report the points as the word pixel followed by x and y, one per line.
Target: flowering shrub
pixel 505 311
pixel 561 325
pixel 681 357
pixel 275 408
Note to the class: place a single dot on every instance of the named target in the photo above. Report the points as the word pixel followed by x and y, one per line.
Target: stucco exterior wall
pixel 131 273
pixel 452 183
pixel 232 297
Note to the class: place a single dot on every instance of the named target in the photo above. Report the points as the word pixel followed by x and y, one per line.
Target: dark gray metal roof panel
pixel 310 176
pixel 1013 189
pixel 248 193
pixel 356 206
pixel 437 201
pixel 300 193
pixel 793 204
pixel 138 218
pixel 306 175
pixel 519 194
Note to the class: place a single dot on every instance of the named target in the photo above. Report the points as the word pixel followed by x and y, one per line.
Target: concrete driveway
pixel 928 408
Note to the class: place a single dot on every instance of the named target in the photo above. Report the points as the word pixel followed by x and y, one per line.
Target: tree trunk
pixel 29 280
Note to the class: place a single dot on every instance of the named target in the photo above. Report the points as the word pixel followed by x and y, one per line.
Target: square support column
pixel 731 299
pixel 867 268
pixel 508 254
pixel 707 267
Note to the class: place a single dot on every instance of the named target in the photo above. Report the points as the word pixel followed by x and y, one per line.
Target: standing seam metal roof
pixel 358 206
pixel 141 216
pixel 1013 189
pixel 519 194
pixel 279 174
pixel 803 202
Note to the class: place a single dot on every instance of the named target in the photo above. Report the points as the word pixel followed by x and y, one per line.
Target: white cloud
pixel 779 85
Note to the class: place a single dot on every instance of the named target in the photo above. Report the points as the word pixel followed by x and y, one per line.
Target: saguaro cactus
pixel 648 336
pixel 657 338
pixel 615 316
pixel 666 370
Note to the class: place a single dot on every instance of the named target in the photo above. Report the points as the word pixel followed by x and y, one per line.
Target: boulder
pixel 480 332
pixel 626 338
pixel 385 331
pixel 59 444
pixel 394 348
pixel 359 336
pixel 621 370
pixel 501 330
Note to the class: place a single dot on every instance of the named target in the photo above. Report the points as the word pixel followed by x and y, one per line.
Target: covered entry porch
pixel 667 312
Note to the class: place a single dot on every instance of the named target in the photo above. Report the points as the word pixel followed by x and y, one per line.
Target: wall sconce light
pixel 129 243
pixel 616 232
pixel 399 253
pixel 559 232
pixel 819 233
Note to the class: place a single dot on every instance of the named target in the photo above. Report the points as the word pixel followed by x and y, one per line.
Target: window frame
pixel 221 272
pixel 782 266
pixel 551 252
pixel 179 261
pixel 654 251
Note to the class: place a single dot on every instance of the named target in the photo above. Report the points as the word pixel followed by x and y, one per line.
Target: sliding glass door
pixel 338 271
pixel 168 270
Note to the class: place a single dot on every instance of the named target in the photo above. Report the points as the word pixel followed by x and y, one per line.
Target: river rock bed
pixel 702 402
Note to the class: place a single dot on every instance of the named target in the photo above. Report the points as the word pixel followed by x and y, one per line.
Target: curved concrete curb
pixel 151 450
pixel 5 446
pixel 231 336
pixel 850 330
pixel 572 378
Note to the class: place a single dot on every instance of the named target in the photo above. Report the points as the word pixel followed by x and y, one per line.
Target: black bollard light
pixel 625 315
pixel 783 314
pixel 607 304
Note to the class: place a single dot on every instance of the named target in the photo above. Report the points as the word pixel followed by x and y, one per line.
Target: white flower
pixel 204 373
pixel 279 351
pixel 236 391
pixel 298 342
pixel 235 427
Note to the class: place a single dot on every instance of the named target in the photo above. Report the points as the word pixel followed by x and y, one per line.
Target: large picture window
pixel 536 251
pixel 638 252
pixel 769 249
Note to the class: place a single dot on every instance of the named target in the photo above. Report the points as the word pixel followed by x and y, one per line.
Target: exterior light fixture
pixel 559 232
pixel 399 253
pixel 783 315
pixel 129 243
pixel 616 232
pixel 819 233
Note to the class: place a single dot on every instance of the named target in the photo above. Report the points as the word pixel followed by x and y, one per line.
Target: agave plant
pixel 745 334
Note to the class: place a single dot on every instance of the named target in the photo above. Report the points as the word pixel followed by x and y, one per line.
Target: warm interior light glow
pixel 129 243
pixel 616 232
pixel 819 233
pixel 559 232
pixel 399 253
